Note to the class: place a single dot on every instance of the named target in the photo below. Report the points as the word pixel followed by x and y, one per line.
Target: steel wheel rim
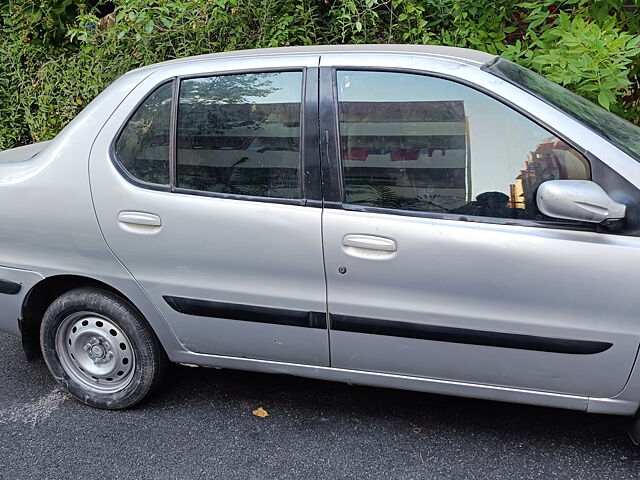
pixel 95 352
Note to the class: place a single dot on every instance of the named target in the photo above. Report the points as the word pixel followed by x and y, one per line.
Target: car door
pixel 439 264
pixel 201 181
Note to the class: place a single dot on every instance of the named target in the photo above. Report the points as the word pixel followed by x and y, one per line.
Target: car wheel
pixel 100 349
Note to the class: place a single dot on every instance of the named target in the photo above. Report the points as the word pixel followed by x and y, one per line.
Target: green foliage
pixel 29 32
pixel 56 55
pixel 470 24
pixel 593 60
pixel 39 24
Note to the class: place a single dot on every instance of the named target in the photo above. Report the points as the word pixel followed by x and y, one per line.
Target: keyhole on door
pixel 342 270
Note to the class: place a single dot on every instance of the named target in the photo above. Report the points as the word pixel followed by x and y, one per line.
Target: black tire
pixel 131 344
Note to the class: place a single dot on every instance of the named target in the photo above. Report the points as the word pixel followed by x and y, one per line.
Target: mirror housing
pixel 580 200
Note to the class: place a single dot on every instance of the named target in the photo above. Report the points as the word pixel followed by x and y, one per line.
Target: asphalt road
pixel 200 425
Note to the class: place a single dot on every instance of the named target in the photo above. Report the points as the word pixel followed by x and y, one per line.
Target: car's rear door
pixel 202 181
pixel 439 264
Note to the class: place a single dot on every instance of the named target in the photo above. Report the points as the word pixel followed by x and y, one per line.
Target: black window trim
pixel 173 132
pixel 332 161
pixel 309 167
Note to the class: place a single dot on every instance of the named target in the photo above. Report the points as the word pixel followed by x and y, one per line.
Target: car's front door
pixel 438 262
pixel 200 182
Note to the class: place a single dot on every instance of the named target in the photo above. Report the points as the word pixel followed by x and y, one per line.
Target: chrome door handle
pixel 140 218
pixel 369 242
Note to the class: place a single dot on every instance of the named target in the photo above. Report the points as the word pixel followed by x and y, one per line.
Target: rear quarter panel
pixel 48 224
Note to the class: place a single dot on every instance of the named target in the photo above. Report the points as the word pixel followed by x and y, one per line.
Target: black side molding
pixel 391 328
pixel 394 328
pixel 247 313
pixel 9 288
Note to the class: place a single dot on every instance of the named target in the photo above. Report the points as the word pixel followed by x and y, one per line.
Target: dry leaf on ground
pixel 260 412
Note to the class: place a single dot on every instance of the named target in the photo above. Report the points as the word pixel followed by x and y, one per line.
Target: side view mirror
pixel 580 200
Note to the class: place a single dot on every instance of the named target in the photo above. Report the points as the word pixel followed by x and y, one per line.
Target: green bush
pixel 56 55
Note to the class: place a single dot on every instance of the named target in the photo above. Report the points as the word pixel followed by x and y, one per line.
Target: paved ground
pixel 200 426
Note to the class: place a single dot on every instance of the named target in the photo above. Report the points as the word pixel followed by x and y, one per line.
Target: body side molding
pixel 467 336
pixel 247 313
pixel 9 288
pixel 391 328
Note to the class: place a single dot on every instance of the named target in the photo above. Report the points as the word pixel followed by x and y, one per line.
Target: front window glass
pixel 240 134
pixel 623 134
pixel 415 142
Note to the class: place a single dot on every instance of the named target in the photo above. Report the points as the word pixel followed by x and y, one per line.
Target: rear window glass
pixel 143 146
pixel 240 134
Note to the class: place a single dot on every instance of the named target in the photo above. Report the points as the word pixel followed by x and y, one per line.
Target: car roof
pixel 463 55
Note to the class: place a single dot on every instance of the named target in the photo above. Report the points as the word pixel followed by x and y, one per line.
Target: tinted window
pixel 143 145
pixel 420 143
pixel 240 134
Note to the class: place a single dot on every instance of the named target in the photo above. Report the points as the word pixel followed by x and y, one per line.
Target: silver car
pixel 425 218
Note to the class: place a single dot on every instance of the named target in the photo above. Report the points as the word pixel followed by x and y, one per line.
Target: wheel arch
pixel 43 293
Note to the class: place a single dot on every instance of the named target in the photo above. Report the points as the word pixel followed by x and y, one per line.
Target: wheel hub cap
pixel 97 352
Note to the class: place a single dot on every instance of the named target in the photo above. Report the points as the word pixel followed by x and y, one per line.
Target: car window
pixel 240 134
pixel 143 146
pixel 415 142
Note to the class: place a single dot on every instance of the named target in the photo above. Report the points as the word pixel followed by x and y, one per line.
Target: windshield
pixel 621 133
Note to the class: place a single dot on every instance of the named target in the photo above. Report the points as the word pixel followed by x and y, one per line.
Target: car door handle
pixel 369 242
pixel 140 218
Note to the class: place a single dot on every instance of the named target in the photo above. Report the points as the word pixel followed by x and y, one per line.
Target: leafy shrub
pixel 592 60
pixel 56 55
